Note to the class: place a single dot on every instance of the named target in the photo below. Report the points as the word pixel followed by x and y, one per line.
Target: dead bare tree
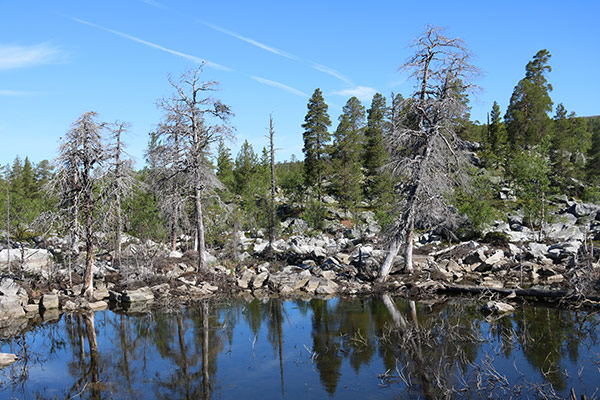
pixel 201 120
pixel 79 165
pixel 121 181
pixel 425 152
pixel 272 199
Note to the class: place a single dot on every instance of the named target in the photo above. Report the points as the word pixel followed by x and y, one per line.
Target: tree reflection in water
pixel 383 347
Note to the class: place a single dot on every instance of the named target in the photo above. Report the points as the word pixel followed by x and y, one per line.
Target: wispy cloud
pixel 154 4
pixel 332 72
pixel 363 93
pixel 12 56
pixel 317 66
pixel 155 46
pixel 280 86
pixel 16 93
pixel 252 41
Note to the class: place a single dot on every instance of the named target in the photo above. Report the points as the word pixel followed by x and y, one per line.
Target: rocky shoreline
pixel 508 261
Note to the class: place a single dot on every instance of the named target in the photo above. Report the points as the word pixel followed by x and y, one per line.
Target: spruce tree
pixel 496 136
pixel 527 121
pixel 316 137
pixel 378 184
pixel 592 169
pixel 225 166
pixel 346 152
pixel 570 143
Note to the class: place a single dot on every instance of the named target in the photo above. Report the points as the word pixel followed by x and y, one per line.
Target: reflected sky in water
pixel 271 349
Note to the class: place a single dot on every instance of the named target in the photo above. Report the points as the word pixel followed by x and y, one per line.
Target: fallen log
pixel 536 293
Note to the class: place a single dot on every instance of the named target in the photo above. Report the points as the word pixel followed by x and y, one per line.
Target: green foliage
pixel 316 137
pixel 476 202
pixel 225 167
pixel 527 121
pixel 142 209
pixel 290 178
pixel 314 214
pixel 530 173
pixel 252 180
pixel 592 170
pixel 570 143
pixel 496 145
pixel 378 184
pixel 345 155
pixel 25 198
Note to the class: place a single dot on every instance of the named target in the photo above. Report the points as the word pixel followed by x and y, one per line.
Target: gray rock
pixel 583 209
pixel 259 280
pixel 245 279
pixel 537 250
pixel 564 232
pixel 497 307
pixel 140 295
pixel 175 254
pixel 7 359
pixel 477 256
pixel 49 302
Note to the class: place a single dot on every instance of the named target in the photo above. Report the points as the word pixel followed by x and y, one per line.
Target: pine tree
pixel 527 121
pixel 345 154
pixel 592 169
pixel 570 143
pixel 378 188
pixel 225 166
pixel 496 137
pixel 316 137
pixel 245 168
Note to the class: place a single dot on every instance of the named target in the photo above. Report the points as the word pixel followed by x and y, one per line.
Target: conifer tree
pixel 496 136
pixel 345 154
pixel 592 169
pixel 570 143
pixel 378 188
pixel 316 137
pixel 225 166
pixel 527 121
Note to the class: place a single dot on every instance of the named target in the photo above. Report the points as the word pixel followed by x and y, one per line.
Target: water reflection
pixel 270 348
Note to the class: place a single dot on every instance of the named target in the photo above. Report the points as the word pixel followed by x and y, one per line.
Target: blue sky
pixel 61 58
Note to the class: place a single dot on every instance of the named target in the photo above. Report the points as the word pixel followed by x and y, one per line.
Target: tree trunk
pixel 200 231
pixel 88 287
pixel 174 228
pixel 388 263
pixel 408 250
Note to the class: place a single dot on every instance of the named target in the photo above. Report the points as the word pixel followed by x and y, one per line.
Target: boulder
pixel 246 278
pixel 583 209
pixel 537 250
pixel 477 256
pixel 49 302
pixel 7 359
pixel 140 295
pixel 34 261
pixel 175 254
pixel 564 232
pixel 259 280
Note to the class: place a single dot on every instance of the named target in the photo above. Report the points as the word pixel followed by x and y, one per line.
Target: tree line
pixel 418 162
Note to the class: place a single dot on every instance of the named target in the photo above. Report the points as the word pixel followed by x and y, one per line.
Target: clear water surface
pixel 374 348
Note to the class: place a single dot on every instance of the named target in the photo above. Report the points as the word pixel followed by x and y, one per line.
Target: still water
pixel 374 348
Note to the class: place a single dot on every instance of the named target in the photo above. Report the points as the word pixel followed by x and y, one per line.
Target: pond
pixel 372 348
